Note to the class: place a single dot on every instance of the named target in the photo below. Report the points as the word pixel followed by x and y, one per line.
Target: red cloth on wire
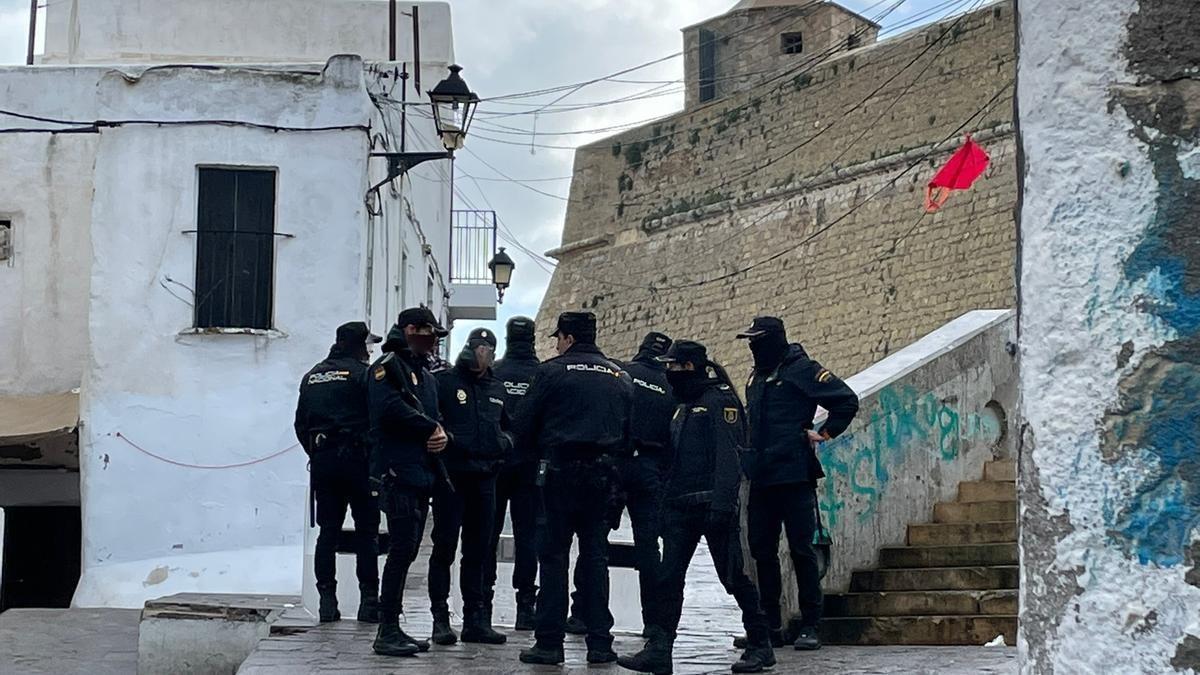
pixel 966 165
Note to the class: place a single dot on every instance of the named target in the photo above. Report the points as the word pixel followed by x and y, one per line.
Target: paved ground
pixel 69 641
pixel 104 642
pixel 345 648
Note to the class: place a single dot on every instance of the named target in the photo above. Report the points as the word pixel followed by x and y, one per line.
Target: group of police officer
pixel 565 446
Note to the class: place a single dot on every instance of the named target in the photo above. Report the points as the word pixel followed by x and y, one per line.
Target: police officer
pixel 406 439
pixel 782 396
pixel 642 471
pixel 515 491
pixel 331 424
pixel 577 415
pixel 701 499
pixel 472 405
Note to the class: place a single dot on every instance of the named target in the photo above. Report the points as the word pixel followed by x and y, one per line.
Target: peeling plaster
pixel 1110 266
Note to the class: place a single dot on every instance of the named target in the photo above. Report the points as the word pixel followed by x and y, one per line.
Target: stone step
pixel 921 603
pixel 936 579
pixel 987 491
pixel 964 555
pixel 1004 469
pixel 919 630
pixel 945 534
pixel 974 512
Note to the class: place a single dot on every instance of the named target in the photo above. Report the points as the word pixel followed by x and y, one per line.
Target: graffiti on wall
pixel 1154 429
pixel 902 420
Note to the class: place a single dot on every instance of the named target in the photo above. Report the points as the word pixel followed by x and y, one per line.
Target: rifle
pixel 392 367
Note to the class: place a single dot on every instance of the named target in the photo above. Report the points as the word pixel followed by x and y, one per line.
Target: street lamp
pixel 502 267
pixel 453 109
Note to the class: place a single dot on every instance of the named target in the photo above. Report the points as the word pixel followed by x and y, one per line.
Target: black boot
pixel 526 612
pixel 807 639
pixel 540 655
pixel 477 628
pixel 368 603
pixel 388 640
pixel 443 634
pixel 601 655
pixel 655 658
pixel 778 639
pixel 576 626
pixel 422 645
pixel 755 660
pixel 328 609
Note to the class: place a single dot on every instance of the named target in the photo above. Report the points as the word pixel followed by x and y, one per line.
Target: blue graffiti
pixel 1157 424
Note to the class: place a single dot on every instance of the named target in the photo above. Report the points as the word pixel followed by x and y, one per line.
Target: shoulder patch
pixel 379 373
pixel 731 415
pixel 824 376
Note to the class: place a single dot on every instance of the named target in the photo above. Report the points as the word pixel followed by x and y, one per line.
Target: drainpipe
pixel 33 8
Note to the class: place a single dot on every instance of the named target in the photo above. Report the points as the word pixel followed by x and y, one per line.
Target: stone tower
pixel 741 48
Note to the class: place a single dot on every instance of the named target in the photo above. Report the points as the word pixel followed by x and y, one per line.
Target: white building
pixel 185 188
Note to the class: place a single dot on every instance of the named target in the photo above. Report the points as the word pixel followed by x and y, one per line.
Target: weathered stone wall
pixel 749 43
pixel 1110 337
pixel 706 193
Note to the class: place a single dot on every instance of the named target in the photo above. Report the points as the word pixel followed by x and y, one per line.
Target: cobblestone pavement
pixel 69 641
pixel 710 620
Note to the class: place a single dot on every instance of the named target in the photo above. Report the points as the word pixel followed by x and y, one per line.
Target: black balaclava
pixel 769 350
pixel 688 385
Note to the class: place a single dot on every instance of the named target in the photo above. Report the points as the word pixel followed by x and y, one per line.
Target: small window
pixel 6 245
pixel 792 43
pixel 853 41
pixel 235 248
pixel 708 65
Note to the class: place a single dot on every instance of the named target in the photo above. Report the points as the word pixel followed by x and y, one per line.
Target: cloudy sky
pixel 510 46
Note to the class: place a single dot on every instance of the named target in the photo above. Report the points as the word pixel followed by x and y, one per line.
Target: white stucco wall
pixel 1109 376
pixel 151 528
pixel 259 31
pixel 46 193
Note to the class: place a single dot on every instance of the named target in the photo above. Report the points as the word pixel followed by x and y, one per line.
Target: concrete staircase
pixel 955 583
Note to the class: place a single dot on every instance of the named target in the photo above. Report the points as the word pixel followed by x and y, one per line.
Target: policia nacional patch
pixel 731 415
pixel 380 373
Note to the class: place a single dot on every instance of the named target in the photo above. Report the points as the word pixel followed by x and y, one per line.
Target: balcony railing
pixel 472 246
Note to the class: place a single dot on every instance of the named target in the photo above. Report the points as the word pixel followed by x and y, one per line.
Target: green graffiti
pixel 900 421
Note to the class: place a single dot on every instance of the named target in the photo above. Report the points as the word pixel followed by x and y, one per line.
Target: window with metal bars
pixel 792 43
pixel 6 246
pixel 235 248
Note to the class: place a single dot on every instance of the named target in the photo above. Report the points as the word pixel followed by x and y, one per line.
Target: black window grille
pixel 235 248
pixel 792 43
pixel 708 65
pixel 6 246
pixel 853 41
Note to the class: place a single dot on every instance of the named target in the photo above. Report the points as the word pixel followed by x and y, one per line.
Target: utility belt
pixel 341 443
pixel 692 498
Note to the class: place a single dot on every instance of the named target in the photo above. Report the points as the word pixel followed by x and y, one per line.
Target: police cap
pixel 686 351
pixel 421 316
pixel 356 332
pixel 481 337
pixel 762 325
pixel 581 325
pixel 521 329
pixel 655 344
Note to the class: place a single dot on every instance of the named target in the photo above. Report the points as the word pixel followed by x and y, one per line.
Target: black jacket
pixel 653 405
pixel 781 406
pixel 402 403
pixel 578 407
pixel 515 373
pixel 707 437
pixel 473 414
pixel 333 402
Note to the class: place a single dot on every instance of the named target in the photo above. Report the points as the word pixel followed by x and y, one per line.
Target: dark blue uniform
pixel 515 490
pixel 402 398
pixel 331 424
pixel 783 468
pixel 472 407
pixel 577 416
